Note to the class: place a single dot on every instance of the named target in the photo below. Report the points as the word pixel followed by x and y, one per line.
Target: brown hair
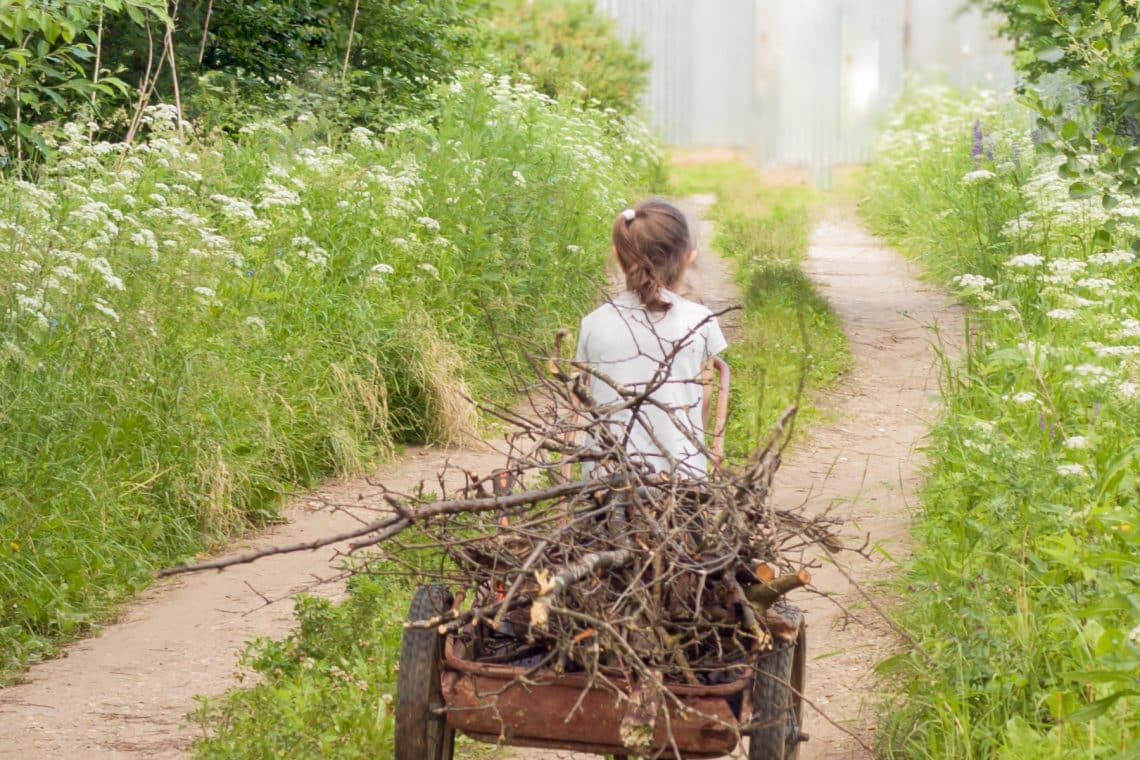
pixel 652 242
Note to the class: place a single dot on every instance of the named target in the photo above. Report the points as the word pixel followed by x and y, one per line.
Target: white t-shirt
pixel 629 345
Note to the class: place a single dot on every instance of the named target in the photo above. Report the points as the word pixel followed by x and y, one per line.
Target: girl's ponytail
pixel 652 242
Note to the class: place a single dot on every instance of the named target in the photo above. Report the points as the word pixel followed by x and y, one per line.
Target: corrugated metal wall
pixel 799 82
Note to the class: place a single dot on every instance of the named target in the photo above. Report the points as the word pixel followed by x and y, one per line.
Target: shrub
pixel 571 50
pixel 1022 587
pixel 214 323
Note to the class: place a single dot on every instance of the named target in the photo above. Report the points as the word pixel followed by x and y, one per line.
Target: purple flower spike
pixel 978 148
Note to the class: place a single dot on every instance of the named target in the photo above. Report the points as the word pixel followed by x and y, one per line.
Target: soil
pixel 126 692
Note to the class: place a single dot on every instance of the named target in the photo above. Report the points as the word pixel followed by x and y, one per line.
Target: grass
pixel 1023 586
pixel 327 689
pixel 789 332
pixel 192 328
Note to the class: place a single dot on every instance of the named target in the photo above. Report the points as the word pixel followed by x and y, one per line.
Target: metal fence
pixel 803 82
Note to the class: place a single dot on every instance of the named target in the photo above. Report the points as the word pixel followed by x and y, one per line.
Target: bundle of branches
pixel 631 571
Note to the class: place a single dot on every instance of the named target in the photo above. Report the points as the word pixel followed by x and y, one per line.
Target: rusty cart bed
pixel 440 691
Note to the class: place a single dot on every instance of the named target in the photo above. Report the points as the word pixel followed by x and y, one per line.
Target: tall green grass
pixel 191 327
pixel 1023 590
pixel 789 336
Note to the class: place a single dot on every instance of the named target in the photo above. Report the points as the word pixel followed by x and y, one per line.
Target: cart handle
pixel 720 420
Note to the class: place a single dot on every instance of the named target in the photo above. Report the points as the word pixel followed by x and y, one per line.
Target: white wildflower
pixel 430 224
pixel 1071 470
pixel 101 306
pixel 64 272
pixel 977 446
pixel 1116 351
pixel 273 194
pixel 257 322
pixel 1112 258
pixel 520 180
pixel 1025 261
pixel 1062 314
pixel 1129 328
pixel 382 269
pixel 573 249
pixel 207 293
pixel 976 176
pixel 430 270
pixel 1096 284
pixel 973 281
pixel 1024 398
pixel 103 267
pixel 1076 442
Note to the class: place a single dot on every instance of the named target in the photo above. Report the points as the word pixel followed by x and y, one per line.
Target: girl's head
pixel 652 244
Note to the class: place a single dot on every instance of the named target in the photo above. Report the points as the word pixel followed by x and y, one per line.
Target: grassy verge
pixel 192 326
pixel 1023 587
pixel 786 325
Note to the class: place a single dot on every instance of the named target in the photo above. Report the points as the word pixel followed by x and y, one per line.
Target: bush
pixel 325 691
pixel 569 49
pixel 1023 585
pixel 215 323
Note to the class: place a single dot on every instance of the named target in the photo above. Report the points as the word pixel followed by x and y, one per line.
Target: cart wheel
pixel 421 733
pixel 776 708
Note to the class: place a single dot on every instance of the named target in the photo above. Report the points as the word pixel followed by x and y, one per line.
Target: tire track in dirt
pixel 862 459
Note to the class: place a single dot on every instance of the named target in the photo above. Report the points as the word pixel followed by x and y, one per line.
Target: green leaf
pixel 1100 676
pixel 1081 190
pixel 1069 130
pixel 1050 54
pixel 1094 710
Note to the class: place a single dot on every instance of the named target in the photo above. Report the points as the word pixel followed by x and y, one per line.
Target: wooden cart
pixel 440 691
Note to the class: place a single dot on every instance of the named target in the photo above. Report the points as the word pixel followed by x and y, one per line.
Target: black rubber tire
pixel 777 710
pixel 421 734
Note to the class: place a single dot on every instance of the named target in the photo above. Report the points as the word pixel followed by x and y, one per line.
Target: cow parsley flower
pixel 973 281
pixel 1076 442
pixel 1025 261
pixel 976 176
pixel 1112 258
pixel 101 306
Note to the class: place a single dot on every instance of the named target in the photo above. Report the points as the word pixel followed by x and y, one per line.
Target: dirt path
pixel 125 692
pixel 865 462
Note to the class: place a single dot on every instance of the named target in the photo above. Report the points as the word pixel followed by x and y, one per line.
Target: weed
pixel 1023 584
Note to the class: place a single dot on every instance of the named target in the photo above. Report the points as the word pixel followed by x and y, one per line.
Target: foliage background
pixel 308 266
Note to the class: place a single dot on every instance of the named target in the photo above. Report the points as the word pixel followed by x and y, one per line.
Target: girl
pixel 650 337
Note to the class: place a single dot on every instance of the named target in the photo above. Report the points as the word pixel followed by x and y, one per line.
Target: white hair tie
pixel 629 214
